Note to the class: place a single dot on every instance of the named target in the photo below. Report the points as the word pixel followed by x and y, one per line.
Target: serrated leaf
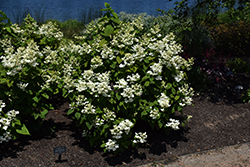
pixel 108 30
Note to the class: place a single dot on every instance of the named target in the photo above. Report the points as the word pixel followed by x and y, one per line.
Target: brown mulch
pixel 219 119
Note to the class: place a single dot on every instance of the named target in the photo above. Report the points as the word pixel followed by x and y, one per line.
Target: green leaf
pixel 173 90
pixel 103 145
pixel 103 129
pixel 89 126
pixel 30 92
pixel 144 113
pixel 176 97
pixel 16 122
pixel 103 41
pixel 43 113
pixel 45 95
pixel 113 65
pixel 10 83
pixel 108 30
pixel 173 110
pixel 179 108
pixel 8 29
pixel 70 111
pixel 118 96
pixel 160 124
pixel 121 52
pixel 78 115
pixel 145 77
pixel 116 20
pixel 64 92
pixel 146 60
pixel 168 86
pixel 60 86
pixel 36 99
pixel 118 59
pixel 146 83
pixel 106 5
pixel 23 130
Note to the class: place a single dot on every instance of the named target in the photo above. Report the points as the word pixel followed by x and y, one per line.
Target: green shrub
pixel 232 39
pixel 238 65
pixel 31 66
pixel 128 76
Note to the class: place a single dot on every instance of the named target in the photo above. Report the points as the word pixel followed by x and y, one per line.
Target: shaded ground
pixel 219 119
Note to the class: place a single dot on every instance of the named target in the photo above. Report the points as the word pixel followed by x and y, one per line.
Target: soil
pixel 219 119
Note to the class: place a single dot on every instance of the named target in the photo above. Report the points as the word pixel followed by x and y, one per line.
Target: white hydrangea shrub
pixel 35 62
pixel 130 74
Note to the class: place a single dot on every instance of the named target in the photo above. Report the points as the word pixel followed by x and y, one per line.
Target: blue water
pixel 72 9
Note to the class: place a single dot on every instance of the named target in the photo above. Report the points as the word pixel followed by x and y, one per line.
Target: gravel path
pixel 230 156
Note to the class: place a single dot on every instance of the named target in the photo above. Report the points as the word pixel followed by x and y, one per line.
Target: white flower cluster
pixel 96 82
pixel 164 101
pixel 107 53
pixel 140 137
pixel 133 78
pixel 16 60
pixel 174 124
pixel 88 108
pixel 111 145
pixel 108 115
pixel 96 62
pixel 80 101
pixel 98 122
pixel 188 93
pixel 179 76
pixel 22 85
pixel 146 20
pixel 49 30
pixel 154 113
pixel 124 126
pixel 6 122
pixel 156 69
pixel 129 92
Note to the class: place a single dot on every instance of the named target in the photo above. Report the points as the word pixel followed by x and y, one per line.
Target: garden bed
pixel 215 123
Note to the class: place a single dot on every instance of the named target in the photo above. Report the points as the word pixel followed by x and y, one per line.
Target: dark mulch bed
pixel 219 119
